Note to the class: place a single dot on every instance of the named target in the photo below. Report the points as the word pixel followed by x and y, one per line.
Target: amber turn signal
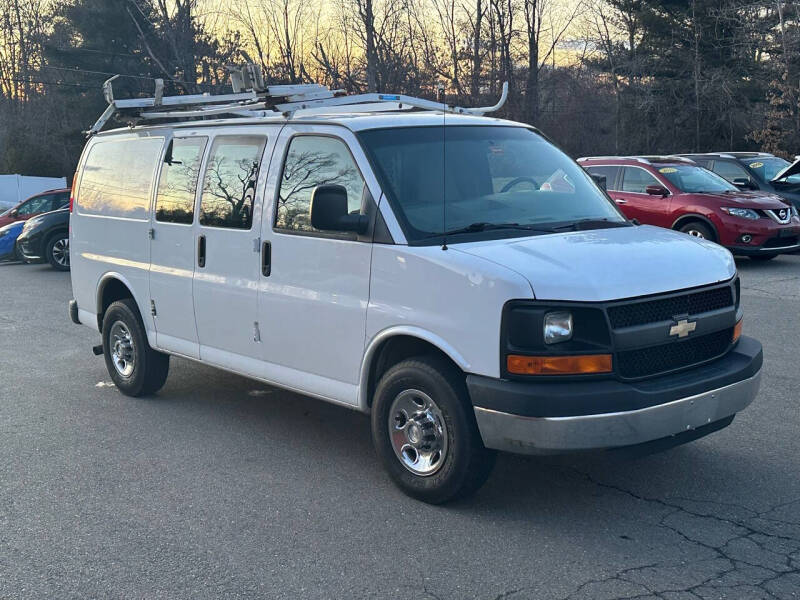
pixel 737 330
pixel 558 365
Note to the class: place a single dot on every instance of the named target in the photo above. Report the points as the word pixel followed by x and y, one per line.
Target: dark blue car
pixel 8 240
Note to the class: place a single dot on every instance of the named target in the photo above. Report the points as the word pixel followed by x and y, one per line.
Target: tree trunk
pixel 476 52
pixel 368 16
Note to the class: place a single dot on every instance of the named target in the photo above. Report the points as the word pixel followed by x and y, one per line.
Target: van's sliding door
pixel 226 249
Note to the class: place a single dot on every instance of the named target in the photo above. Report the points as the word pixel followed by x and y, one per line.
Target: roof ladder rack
pixel 252 98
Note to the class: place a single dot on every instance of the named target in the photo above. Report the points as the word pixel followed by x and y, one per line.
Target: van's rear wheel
pixel 425 432
pixel 135 368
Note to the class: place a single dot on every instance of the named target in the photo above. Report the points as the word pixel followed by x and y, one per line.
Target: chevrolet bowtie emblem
pixel 683 328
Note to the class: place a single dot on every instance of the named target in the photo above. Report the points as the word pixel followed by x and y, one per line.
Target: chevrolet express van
pixel 456 276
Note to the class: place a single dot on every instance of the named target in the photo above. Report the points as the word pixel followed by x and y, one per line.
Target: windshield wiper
pixel 586 224
pixel 482 226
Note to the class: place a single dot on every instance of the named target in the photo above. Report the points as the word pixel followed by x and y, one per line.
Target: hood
pixel 762 200
pixel 792 169
pixel 16 225
pixel 608 264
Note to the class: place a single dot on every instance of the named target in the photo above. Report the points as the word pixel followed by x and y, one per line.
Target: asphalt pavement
pixel 222 487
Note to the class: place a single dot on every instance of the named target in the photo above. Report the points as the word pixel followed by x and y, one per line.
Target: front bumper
pixel 535 418
pixel 763 250
pixel 771 239
pixel 30 246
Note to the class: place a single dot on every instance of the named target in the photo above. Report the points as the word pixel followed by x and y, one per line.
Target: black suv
pixel 46 238
pixel 755 171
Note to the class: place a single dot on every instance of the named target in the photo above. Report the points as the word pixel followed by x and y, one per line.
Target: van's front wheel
pixel 135 368
pixel 425 433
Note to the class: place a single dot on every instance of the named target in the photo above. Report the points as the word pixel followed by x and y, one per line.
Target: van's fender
pixel 406 330
pixel 108 276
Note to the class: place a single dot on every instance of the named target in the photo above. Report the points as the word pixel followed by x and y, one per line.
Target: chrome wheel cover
pixel 417 432
pixel 61 252
pixel 695 233
pixel 123 352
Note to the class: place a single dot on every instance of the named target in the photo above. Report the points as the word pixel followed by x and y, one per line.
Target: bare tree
pixel 545 27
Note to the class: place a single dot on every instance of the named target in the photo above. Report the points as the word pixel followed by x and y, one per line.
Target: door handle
pixel 620 200
pixel 266 259
pixel 201 251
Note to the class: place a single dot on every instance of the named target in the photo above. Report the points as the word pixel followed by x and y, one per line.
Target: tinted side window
pixel 229 185
pixel 610 173
pixel 313 161
pixel 36 205
pixel 118 176
pixel 636 180
pixel 60 201
pixel 729 170
pixel 178 183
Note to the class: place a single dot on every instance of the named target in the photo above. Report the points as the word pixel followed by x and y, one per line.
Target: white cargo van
pixel 457 276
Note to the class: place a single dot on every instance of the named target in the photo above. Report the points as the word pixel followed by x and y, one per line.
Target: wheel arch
pixel 687 218
pixel 395 344
pixel 54 232
pixel 112 286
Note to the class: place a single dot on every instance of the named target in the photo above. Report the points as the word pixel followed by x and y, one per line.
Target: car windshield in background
pixel 695 180
pixel 470 179
pixel 766 169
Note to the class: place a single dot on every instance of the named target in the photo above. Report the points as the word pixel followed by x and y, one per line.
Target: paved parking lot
pixel 220 486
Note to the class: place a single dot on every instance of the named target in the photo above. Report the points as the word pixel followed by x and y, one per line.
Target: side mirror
pixel 600 180
pixel 744 183
pixel 657 190
pixel 14 213
pixel 329 210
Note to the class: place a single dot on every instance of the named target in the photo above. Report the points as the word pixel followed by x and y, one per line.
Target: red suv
pixel 35 205
pixel 678 194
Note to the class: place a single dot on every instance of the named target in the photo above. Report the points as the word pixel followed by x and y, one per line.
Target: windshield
pixel 766 169
pixel 481 178
pixel 695 180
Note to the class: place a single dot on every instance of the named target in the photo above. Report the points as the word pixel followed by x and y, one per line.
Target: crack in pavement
pixel 751 554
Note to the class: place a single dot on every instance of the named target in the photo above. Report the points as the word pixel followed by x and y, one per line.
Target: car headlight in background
pixel 29 224
pixel 557 327
pixel 744 213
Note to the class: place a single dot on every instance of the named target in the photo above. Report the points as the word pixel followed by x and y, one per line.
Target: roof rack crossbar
pixel 263 101
pixel 640 159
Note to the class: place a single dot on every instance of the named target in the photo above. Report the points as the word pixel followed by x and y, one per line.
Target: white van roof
pixel 354 121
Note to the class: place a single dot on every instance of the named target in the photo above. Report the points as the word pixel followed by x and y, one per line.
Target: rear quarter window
pixel 609 172
pixel 117 178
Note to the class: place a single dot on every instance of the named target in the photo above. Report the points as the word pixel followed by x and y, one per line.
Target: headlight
pixel 557 327
pixel 744 213
pixel 29 224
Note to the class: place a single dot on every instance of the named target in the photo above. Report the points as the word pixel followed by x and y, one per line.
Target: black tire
pixel 763 257
pixel 148 368
pixel 17 255
pixel 466 463
pixel 54 251
pixel 700 230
